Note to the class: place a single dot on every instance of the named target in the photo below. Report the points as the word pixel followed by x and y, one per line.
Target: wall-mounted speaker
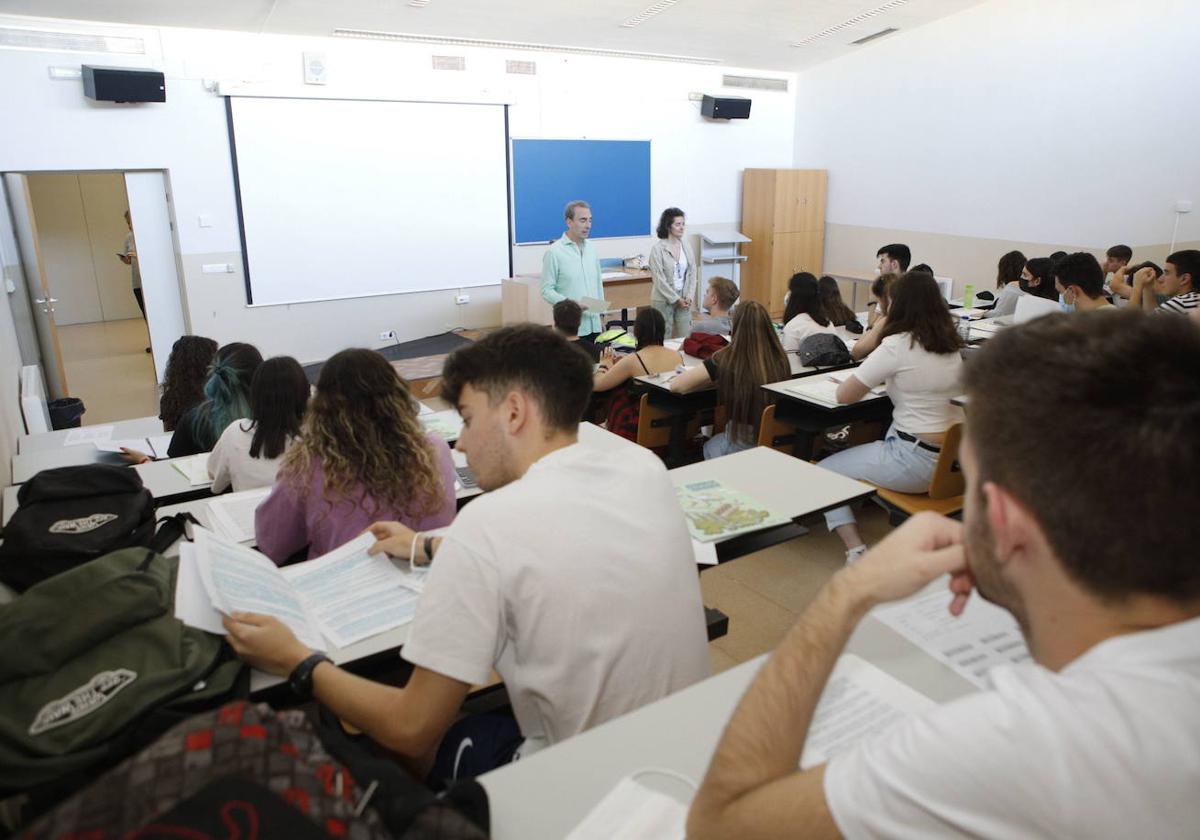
pixel 725 107
pixel 123 84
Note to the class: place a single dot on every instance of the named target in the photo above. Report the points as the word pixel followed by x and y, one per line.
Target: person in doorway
pixel 129 256
pixel 674 290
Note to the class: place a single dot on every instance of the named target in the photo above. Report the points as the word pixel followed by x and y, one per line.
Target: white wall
pixel 1069 122
pixel 696 164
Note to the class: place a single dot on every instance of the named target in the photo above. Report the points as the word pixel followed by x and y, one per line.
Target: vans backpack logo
pixel 82 526
pixel 82 701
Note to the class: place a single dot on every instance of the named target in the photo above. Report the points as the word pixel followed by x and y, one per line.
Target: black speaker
pixel 124 84
pixel 725 107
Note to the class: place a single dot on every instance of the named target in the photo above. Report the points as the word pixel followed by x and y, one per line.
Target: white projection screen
pixel 350 198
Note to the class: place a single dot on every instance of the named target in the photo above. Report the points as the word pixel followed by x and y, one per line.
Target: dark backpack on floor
pixel 69 516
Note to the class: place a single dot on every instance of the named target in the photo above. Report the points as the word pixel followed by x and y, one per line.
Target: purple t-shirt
pixel 287 520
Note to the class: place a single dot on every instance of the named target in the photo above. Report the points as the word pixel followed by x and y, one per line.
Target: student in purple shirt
pixel 362 456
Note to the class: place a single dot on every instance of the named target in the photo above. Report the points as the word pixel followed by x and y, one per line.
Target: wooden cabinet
pixel 783 212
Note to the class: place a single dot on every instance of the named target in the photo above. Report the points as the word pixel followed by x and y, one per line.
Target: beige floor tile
pixel 107 367
pixel 721 661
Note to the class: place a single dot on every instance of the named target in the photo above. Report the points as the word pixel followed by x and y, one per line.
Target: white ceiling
pixel 740 33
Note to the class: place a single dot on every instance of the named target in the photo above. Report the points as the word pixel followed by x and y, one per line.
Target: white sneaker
pixel 855 553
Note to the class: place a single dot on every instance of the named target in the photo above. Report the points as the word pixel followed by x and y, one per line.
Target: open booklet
pixel 194 468
pixel 332 601
pixel 232 515
pixel 716 512
pixel 823 389
pixel 155 447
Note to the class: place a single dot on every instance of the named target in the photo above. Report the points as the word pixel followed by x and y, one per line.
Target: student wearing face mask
pixel 1037 278
pixel 1079 280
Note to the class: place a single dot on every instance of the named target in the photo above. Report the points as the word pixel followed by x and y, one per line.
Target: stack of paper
pixel 333 601
pixel 823 389
pixel 87 434
pixel 155 447
pixel 445 424
pixel 194 468
pixel 232 515
pixel 716 512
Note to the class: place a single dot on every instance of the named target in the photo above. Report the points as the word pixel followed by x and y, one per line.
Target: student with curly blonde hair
pixel 362 456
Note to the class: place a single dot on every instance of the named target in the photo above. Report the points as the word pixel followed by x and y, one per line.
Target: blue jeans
pixel 679 321
pixel 893 463
pixel 720 444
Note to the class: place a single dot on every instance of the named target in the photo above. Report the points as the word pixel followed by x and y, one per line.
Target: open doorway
pixel 101 271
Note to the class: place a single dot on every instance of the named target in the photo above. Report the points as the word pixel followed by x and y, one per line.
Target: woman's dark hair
pixel 278 397
pixel 831 300
pixel 926 267
pixel 804 296
pixel 649 328
pixel 183 382
pixel 917 308
pixel 226 392
pixel 1009 268
pixel 753 358
pixel 881 288
pixel 1042 269
pixel 665 221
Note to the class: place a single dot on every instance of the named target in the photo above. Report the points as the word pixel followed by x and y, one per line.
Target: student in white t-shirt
pixel 918 360
pixel 1008 284
pixel 804 314
pixel 1099 736
pixel 249 451
pixel 526 581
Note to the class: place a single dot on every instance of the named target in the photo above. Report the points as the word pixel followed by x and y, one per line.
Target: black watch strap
pixel 301 678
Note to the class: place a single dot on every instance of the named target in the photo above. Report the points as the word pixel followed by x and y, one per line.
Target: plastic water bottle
pixel 964 328
pixel 968 295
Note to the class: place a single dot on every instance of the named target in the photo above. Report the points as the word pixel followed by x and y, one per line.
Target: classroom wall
pixel 697 164
pixel 1036 124
pixel 11 424
pixel 82 228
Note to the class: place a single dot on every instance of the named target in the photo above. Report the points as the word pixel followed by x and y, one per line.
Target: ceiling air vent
pixel 521 68
pixel 755 83
pixel 50 41
pixel 880 34
pixel 449 62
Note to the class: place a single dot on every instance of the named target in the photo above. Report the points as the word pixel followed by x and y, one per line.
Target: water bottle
pixel 964 328
pixel 968 295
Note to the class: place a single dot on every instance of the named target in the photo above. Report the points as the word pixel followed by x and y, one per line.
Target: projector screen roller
pixel 351 198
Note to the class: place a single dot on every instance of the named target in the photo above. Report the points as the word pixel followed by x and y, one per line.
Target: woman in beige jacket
pixel 674 290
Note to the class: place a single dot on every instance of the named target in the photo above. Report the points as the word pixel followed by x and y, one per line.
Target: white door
pixel 161 287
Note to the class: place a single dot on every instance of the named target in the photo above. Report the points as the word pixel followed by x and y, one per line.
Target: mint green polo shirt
pixel 569 271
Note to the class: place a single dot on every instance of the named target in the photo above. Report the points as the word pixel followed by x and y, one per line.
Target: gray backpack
pixel 824 350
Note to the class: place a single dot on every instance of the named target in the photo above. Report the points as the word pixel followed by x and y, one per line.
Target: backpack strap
pixel 170 529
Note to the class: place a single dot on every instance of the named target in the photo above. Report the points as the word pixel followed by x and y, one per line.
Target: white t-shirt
pixel 1006 301
pixel 577 584
pixel 230 463
pixel 681 267
pixel 1108 747
pixel 800 328
pixel 920 384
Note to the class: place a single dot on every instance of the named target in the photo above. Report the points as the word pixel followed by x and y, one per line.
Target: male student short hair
pixel 1187 262
pixel 1120 252
pixel 726 291
pixel 897 252
pixel 526 357
pixel 1083 270
pixel 1071 377
pixel 567 316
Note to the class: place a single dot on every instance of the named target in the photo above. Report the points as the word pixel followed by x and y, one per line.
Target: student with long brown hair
pixel 918 359
pixel 613 374
pixel 877 309
pixel 753 358
pixel 1008 283
pixel 362 456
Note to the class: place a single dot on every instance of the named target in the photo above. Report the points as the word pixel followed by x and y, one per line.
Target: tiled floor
pixel 109 369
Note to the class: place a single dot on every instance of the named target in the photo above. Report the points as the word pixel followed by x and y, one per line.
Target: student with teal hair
pixel 226 398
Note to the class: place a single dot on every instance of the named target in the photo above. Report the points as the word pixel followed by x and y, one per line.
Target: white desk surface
pixel 659 380
pixel 548 793
pixel 10 502
pixel 25 465
pixel 781 389
pixel 782 483
pixel 139 427
pixel 166 483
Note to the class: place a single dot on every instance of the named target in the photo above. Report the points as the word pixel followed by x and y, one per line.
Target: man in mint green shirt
pixel 570 268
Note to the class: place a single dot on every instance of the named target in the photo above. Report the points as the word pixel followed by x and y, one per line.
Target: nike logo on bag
pixel 465 745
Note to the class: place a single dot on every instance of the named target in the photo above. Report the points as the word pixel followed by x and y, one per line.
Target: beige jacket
pixel 662 273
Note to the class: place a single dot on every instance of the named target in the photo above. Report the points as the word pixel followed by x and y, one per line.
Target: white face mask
pixel 632 810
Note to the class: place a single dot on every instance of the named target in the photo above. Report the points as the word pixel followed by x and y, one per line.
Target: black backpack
pixel 824 350
pixel 70 515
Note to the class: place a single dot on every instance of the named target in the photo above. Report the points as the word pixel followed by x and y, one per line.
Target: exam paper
pixel 353 595
pixel 192 604
pixel 160 444
pixel 595 305
pixel 117 444
pixel 87 434
pixel 194 468
pixel 983 637
pixel 822 389
pixel 859 701
pixel 445 424
pixel 232 515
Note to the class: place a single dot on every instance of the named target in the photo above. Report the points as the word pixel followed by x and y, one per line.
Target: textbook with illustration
pixel 334 600
pixel 716 512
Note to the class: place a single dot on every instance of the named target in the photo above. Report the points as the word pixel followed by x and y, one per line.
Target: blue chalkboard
pixel 611 175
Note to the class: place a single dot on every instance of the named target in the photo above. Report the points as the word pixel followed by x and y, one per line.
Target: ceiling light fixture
pixel 645 15
pixel 846 24
pixel 413 38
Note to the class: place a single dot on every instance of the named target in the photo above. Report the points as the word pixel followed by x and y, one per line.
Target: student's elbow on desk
pixel 851 391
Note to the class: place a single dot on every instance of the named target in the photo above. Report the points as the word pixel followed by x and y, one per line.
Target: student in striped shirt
pixel 1180 282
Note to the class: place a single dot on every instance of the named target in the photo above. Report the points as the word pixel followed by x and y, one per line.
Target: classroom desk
pixel 790 486
pixel 521 296
pixel 25 465
pixel 168 485
pixel 810 417
pixel 140 427
pixel 10 503
pixel 678 733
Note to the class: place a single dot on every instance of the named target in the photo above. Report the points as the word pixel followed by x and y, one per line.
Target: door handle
pixel 45 300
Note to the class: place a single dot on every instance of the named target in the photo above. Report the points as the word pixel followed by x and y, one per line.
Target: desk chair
pixel 655 426
pixel 776 434
pixel 945 494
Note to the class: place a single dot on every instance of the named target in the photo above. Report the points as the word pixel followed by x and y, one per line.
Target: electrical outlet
pixel 461 299
pixel 387 335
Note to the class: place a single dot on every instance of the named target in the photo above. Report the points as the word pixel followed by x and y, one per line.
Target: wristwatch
pixel 301 678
